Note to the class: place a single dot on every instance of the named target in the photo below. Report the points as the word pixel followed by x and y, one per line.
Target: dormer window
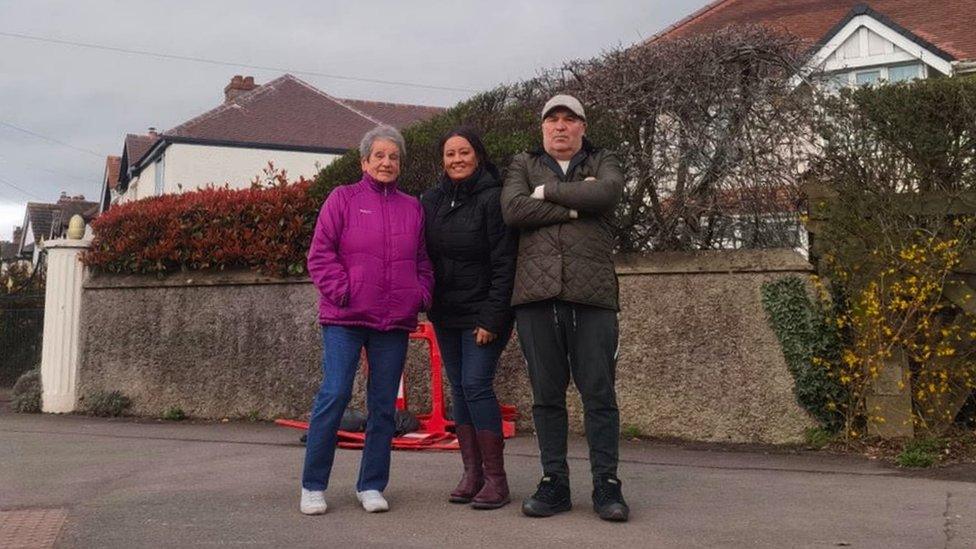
pixel 902 73
pixel 867 78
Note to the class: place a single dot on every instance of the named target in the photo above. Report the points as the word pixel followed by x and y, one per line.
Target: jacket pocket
pixel 354 293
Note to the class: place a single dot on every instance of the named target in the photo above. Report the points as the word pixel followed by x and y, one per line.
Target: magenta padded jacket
pixel 368 260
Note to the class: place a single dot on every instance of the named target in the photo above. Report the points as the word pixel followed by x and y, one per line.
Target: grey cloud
pixel 92 98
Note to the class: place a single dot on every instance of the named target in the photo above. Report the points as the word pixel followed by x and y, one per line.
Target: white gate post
pixel 62 314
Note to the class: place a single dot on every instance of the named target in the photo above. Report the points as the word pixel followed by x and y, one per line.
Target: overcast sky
pixel 88 99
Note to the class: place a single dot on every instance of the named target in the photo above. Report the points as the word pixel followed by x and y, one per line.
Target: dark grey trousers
pixel 560 339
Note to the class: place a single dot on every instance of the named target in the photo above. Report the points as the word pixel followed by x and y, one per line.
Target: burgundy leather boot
pixel 494 494
pixel 473 477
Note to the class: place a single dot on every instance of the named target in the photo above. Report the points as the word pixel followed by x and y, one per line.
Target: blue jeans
pixel 471 372
pixel 385 353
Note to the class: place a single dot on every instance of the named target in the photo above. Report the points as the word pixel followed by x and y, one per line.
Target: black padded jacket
pixel 473 252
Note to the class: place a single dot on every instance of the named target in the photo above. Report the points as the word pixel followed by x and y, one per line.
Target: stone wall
pixel 697 357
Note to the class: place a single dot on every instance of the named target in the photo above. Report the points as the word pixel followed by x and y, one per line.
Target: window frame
pixel 159 180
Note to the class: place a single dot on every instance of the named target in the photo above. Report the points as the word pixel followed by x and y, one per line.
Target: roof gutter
pixel 964 67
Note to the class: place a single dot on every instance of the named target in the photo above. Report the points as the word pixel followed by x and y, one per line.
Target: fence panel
pixel 21 335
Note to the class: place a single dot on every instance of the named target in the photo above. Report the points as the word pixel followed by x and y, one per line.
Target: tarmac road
pixel 126 483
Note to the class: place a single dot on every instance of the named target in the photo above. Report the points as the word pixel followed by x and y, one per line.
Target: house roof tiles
pixel 113 164
pixel 946 24
pixel 40 216
pixel 288 111
pixel 398 115
pixel 137 145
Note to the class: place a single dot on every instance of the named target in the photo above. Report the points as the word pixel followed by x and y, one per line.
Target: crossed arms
pixel 560 199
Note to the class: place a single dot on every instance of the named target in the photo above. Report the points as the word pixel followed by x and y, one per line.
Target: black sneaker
pixel 551 497
pixel 608 501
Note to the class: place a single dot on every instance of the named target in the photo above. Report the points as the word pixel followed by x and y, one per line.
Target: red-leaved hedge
pixel 265 228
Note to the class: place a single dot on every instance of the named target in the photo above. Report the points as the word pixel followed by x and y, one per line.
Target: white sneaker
pixel 313 502
pixel 373 501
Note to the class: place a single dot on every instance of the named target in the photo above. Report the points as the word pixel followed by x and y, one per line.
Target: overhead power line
pixel 159 55
pixel 59 173
pixel 51 139
pixel 15 187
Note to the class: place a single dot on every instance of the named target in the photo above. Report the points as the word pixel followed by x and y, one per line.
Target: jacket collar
pixel 483 178
pixel 587 149
pixel 578 158
pixel 369 182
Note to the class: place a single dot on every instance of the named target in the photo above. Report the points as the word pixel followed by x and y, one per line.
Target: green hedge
pixel 693 122
pixel 507 118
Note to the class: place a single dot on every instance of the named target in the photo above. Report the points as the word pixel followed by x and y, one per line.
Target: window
pixel 904 72
pixel 160 164
pixel 867 78
pixel 838 81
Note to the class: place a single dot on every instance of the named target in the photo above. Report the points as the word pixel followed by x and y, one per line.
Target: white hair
pixel 385 133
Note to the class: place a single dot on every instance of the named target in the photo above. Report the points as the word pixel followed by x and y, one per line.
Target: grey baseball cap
pixel 566 102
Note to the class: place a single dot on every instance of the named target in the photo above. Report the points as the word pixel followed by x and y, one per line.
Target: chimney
pixel 238 85
pixel 65 199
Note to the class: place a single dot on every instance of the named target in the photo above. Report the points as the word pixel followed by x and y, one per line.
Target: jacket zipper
pixel 563 177
pixel 386 246
pixel 454 193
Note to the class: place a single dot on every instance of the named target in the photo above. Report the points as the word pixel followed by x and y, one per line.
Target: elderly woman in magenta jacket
pixel 370 266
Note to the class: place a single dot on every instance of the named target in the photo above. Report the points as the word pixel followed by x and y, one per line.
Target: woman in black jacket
pixel 473 253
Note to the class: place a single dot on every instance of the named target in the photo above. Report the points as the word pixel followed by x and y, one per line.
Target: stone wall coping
pixel 67 243
pixel 713 261
pixel 100 281
pixel 699 262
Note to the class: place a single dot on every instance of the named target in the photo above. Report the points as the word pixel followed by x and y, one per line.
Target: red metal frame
pixel 436 431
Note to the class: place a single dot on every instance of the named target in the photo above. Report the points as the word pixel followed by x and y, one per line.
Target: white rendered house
pixel 287 122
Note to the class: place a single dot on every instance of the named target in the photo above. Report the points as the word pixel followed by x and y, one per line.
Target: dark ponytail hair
pixel 472 136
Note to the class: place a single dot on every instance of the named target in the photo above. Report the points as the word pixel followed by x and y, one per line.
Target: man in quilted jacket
pixel 561 199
